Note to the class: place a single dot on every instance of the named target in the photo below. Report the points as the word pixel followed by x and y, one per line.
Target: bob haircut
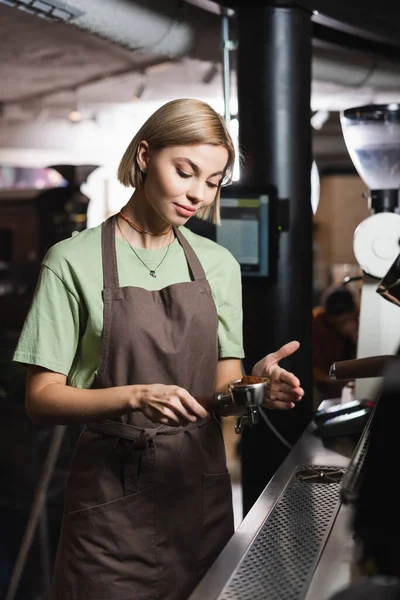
pixel 181 122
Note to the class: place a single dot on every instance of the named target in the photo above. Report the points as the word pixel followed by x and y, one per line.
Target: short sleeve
pixel 51 332
pixel 230 316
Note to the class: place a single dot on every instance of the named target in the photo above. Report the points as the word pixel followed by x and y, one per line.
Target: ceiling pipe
pixel 189 28
pixel 174 29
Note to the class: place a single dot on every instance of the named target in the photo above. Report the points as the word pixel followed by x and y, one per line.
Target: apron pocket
pixel 218 524
pixel 108 551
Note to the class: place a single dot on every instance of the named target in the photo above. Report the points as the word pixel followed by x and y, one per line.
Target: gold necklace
pixel 140 229
pixel 152 272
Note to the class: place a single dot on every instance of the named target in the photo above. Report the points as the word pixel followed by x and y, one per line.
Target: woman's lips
pixel 184 210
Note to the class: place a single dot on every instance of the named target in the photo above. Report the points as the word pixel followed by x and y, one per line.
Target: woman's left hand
pixel 284 390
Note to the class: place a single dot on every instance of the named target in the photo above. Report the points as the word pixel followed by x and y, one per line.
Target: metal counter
pixel 295 543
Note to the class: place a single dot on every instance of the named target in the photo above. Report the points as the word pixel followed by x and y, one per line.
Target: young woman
pixel 135 326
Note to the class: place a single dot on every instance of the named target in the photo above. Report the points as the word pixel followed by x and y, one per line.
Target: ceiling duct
pixel 46 9
pixel 355 69
pixel 173 29
pixel 178 28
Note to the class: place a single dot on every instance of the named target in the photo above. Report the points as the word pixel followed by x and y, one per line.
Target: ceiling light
pixel 159 67
pixel 75 116
pixel 315 187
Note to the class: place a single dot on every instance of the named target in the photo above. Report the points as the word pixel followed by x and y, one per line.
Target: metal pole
pixel 274 89
pixel 36 510
pixel 43 526
pixel 226 69
pixel 45 552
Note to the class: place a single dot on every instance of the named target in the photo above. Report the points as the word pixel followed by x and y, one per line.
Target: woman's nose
pixel 196 192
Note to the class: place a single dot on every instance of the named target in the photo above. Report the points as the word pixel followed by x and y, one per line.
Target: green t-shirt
pixel 63 328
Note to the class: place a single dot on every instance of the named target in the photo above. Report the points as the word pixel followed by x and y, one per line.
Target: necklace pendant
pixel 153 273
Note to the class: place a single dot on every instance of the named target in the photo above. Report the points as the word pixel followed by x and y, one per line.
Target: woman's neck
pixel 143 217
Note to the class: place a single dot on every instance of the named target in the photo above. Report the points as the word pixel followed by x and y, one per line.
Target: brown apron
pixel 148 507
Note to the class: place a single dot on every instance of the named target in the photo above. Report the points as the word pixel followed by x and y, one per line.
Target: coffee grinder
pixel 372 137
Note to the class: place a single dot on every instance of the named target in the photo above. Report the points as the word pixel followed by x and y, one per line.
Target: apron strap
pixel 191 257
pixel 139 436
pixel 138 448
pixel 109 254
pixel 142 442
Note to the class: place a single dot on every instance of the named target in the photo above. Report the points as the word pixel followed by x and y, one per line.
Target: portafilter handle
pixel 359 368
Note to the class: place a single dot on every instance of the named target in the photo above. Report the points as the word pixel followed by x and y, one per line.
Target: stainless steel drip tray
pixel 278 551
pixel 282 559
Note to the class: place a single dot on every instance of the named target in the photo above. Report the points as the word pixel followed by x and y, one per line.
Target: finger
pixel 282 397
pixel 278 405
pixel 286 397
pixel 287 388
pixel 169 417
pixel 191 403
pixel 286 377
pixel 166 421
pixel 182 413
pixel 284 351
pixel 288 394
pixel 284 390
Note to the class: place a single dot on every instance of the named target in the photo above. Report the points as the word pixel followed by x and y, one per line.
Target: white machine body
pixel 376 246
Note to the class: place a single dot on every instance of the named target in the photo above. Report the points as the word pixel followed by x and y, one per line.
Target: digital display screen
pixel 241 237
pixel 244 232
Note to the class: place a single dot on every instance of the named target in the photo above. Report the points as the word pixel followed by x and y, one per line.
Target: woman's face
pixel 181 180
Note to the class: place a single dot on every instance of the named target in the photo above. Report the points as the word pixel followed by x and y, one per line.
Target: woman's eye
pixel 212 185
pixel 183 174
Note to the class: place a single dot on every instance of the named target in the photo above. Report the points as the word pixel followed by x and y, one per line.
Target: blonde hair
pixel 181 122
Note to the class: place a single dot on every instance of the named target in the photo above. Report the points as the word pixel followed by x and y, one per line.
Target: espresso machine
pixel 372 137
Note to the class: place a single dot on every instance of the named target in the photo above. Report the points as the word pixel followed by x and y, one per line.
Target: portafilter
pixel 249 393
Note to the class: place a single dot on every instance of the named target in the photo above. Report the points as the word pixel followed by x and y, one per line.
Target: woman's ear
pixel 142 156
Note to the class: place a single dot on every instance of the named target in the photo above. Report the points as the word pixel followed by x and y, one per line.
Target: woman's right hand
pixel 49 400
pixel 169 405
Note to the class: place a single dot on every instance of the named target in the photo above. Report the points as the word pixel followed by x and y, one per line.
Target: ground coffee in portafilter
pixel 250 379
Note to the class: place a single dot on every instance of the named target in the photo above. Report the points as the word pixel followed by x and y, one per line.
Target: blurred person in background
pixel 334 335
